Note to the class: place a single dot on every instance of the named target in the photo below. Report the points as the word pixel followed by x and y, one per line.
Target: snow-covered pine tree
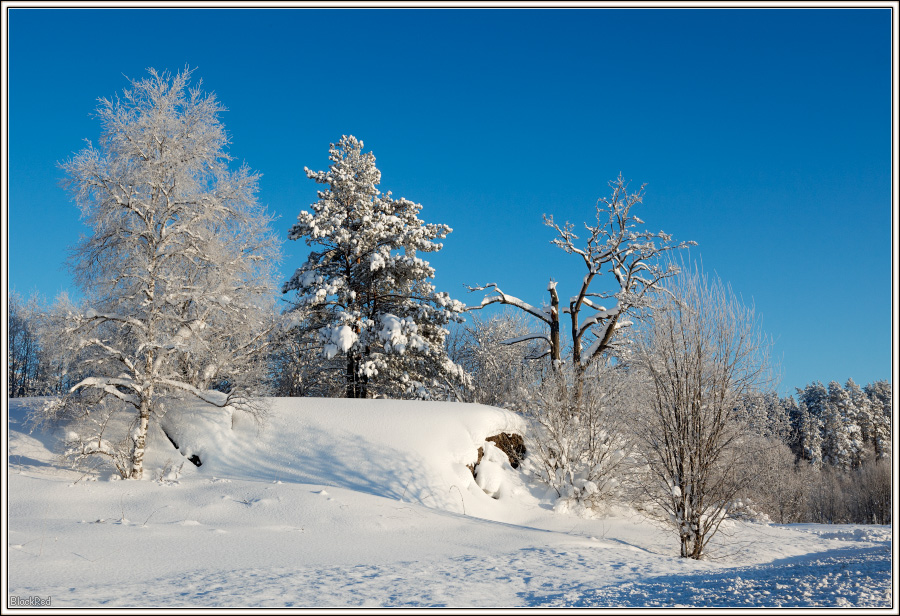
pixel 813 400
pixel 879 394
pixel 862 408
pixel 810 435
pixel 792 413
pixel 177 268
pixel 363 287
pixel 842 443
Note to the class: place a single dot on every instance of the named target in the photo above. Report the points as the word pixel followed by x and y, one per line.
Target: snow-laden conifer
pixel 879 394
pixel 842 442
pixel 809 427
pixel 365 290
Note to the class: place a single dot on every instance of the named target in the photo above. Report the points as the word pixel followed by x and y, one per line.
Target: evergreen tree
pixel 792 412
pixel 879 394
pixel 366 292
pixel 862 409
pixel 810 435
pixel 814 396
pixel 842 443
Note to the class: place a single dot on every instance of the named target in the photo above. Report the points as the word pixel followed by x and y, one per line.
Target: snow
pixel 340 340
pixel 369 503
pixel 489 473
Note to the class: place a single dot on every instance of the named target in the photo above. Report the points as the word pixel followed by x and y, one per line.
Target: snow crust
pixel 370 504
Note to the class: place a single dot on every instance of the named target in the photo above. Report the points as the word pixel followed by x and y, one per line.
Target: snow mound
pixel 391 448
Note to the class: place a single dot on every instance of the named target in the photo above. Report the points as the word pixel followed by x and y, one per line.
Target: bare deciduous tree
pixel 616 245
pixel 23 365
pixel 703 353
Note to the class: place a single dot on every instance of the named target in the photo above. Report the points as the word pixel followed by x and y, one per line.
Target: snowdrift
pixel 402 450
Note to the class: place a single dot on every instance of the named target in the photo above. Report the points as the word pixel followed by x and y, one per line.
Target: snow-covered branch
pixel 502 298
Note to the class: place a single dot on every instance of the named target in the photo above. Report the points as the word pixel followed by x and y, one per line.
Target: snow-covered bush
pixel 363 290
pixel 580 446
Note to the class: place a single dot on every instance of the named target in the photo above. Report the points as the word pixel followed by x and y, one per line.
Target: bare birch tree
pixel 703 352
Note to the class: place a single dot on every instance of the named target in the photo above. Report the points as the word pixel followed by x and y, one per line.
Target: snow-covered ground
pixel 369 503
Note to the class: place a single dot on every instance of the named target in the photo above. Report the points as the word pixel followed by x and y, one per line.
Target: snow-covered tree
pixel 814 396
pixel 23 366
pixel 177 267
pixel 297 367
pixel 862 413
pixel 364 287
pixel 842 439
pixel 809 429
pixel 703 353
pixel 616 245
pixel 500 373
pixel 879 394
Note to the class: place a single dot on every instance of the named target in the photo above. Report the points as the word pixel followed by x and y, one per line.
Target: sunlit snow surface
pixel 369 503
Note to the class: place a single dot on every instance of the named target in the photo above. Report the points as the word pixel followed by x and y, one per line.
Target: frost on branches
pixel 176 270
pixel 617 245
pixel 364 290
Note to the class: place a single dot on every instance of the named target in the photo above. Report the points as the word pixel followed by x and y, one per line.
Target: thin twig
pixel 460 497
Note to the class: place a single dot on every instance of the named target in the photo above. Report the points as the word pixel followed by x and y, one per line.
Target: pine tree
pixel 842 443
pixel 862 408
pixel 879 394
pixel 810 435
pixel 793 414
pixel 366 292
pixel 814 396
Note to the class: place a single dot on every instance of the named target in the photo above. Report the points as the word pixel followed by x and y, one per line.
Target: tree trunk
pixel 576 357
pixel 555 351
pixel 137 457
pixel 356 383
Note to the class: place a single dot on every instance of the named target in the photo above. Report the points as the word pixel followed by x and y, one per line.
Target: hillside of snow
pixel 371 503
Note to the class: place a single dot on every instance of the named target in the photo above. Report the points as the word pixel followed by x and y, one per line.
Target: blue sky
pixel 763 134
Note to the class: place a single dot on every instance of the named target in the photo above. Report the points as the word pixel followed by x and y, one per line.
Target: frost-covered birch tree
pixel 364 289
pixel 176 270
pixel 703 352
pixel 617 245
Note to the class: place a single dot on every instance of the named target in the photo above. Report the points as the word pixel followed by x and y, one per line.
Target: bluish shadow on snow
pixel 322 458
pixel 835 578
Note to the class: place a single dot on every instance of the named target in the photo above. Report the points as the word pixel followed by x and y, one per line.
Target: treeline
pixel 832 454
pixel 36 364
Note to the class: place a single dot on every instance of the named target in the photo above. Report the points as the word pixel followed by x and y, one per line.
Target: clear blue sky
pixel 763 135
